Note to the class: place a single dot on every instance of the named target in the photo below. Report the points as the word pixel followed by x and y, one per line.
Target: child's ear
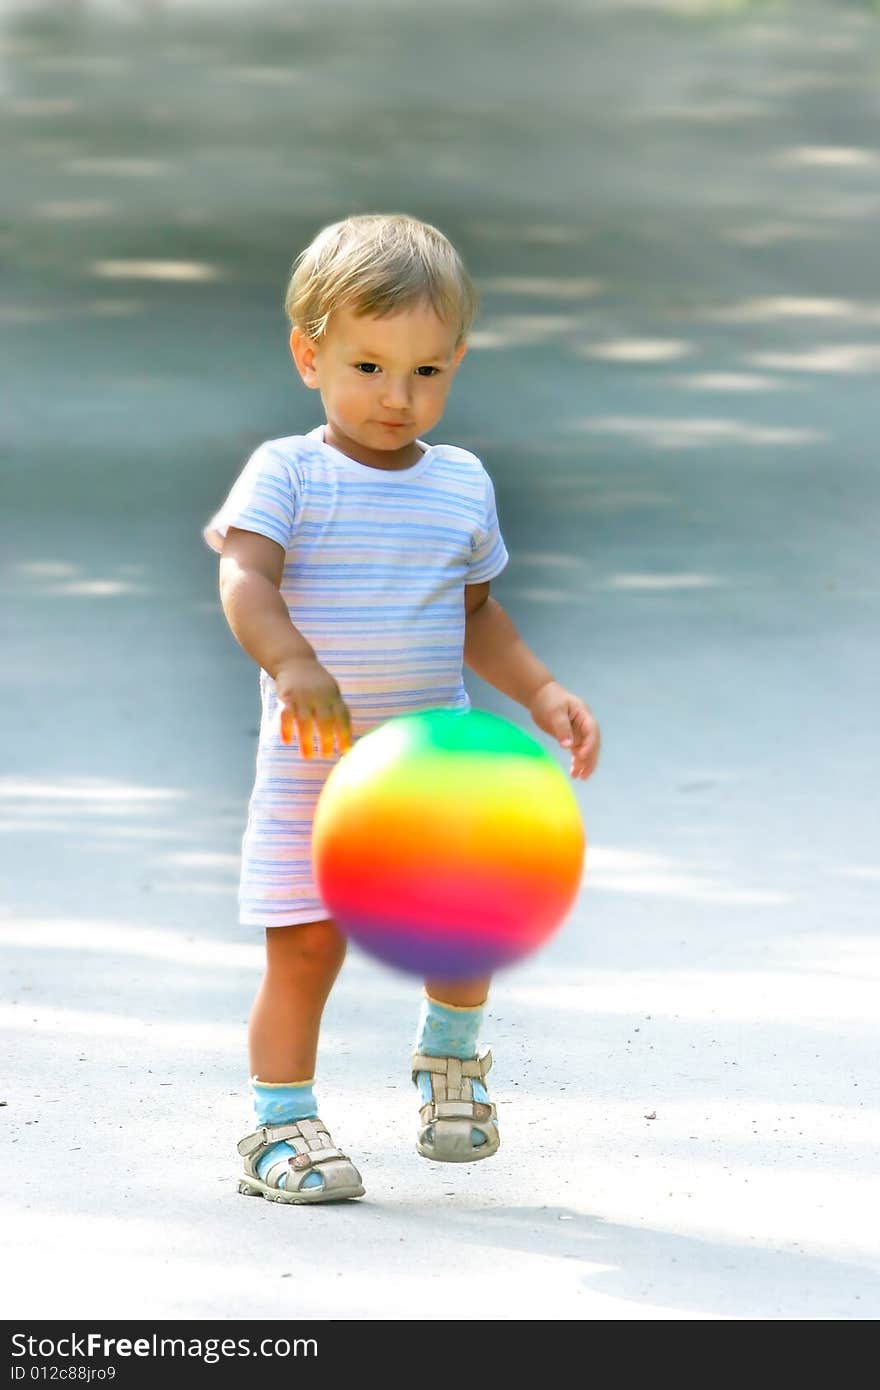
pixel 459 354
pixel 302 350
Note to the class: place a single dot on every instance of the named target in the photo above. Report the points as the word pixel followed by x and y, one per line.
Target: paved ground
pixel 671 212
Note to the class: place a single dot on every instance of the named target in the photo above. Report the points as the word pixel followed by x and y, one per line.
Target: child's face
pixel 383 381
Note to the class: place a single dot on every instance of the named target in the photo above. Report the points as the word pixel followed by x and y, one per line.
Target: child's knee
pixel 313 946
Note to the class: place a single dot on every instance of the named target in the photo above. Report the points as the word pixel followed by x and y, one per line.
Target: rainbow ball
pixel 447 843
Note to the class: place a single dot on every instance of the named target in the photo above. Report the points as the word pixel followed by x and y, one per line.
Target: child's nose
pixel 396 395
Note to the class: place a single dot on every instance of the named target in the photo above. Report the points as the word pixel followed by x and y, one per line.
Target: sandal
pixel 451 1113
pixel 315 1153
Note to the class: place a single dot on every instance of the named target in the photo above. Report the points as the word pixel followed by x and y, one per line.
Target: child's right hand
pixel 309 700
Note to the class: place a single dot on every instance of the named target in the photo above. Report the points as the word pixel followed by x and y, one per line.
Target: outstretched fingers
pixel 331 730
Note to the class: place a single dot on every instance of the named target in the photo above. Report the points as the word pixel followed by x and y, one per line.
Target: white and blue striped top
pixel 376 564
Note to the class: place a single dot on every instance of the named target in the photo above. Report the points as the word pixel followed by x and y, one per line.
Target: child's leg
pixel 450 1020
pixel 461 994
pixel 302 963
pixel 448 1026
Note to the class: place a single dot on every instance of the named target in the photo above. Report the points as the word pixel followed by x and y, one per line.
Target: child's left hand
pixel 568 719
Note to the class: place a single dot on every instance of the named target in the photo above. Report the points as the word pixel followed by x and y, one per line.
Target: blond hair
pixel 378 263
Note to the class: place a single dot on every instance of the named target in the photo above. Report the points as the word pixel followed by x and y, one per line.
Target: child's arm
pixel 494 649
pixel 251 569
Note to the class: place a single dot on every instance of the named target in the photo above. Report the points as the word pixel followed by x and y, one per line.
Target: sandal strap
pixel 304 1162
pixel 340 1172
pixel 457 1110
pixel 306 1136
pixel 449 1074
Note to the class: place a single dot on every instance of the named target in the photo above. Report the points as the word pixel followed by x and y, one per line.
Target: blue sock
pixel 445 1030
pixel 282 1103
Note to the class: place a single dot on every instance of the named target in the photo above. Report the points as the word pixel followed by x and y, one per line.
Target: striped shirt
pixel 376 563
pixel 374 574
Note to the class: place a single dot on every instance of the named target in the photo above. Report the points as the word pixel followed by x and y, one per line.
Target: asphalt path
pixel 670 210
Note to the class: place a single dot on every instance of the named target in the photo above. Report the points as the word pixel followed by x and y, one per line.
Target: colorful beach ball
pixel 448 843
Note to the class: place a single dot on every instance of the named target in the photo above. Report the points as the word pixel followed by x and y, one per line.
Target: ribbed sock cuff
pixel 448 1030
pixel 282 1102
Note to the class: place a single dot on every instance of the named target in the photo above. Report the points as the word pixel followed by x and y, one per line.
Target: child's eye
pixel 370 369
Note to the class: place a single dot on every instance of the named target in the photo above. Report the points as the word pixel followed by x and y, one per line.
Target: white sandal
pixel 315 1153
pixel 451 1113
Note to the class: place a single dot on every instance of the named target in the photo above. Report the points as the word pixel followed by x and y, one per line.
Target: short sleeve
pixel 489 556
pixel 264 498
